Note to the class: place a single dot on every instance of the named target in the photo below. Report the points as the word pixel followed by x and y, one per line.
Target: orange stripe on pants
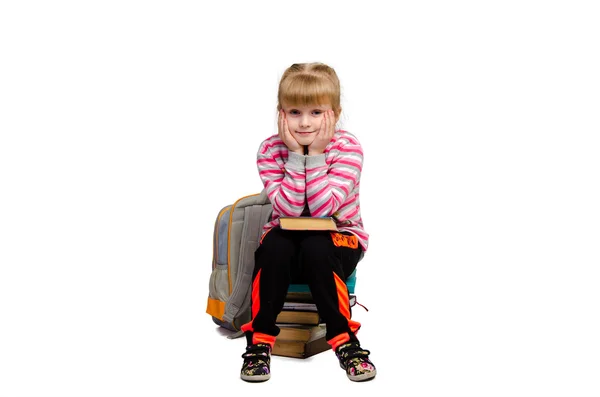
pixel 255 302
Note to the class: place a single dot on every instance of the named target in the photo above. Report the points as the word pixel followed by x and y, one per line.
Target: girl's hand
pixel 324 135
pixel 286 136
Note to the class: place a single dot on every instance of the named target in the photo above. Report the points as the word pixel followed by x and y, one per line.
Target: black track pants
pixel 302 257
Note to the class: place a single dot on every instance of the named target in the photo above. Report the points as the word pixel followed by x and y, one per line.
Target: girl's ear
pixel 339 113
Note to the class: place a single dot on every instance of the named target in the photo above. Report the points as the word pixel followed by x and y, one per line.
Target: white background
pixel 126 126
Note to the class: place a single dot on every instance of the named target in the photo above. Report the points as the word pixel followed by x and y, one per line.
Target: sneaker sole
pixel 363 377
pixel 256 378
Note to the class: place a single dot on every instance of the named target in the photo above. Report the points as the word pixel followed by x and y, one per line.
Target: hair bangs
pixel 307 90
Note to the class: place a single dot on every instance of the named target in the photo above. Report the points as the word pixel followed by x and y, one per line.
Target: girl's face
pixel 304 121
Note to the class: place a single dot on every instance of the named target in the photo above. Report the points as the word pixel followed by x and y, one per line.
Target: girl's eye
pixel 317 112
pixel 294 111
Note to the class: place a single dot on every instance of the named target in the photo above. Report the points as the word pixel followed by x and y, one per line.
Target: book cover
pixel 300 332
pixel 298 317
pixel 298 349
pixel 307 223
pixel 298 297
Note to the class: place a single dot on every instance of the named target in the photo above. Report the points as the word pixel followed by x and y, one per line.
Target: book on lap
pixel 307 223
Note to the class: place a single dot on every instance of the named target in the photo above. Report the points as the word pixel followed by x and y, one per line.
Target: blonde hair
pixel 305 84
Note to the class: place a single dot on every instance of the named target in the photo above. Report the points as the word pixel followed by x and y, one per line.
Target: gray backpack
pixel 237 233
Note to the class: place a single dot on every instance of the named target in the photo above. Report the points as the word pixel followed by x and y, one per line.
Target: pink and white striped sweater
pixel 328 184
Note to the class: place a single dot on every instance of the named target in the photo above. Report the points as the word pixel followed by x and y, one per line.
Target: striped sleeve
pixel 285 183
pixel 329 187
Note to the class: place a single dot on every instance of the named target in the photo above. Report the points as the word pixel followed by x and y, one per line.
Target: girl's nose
pixel 304 121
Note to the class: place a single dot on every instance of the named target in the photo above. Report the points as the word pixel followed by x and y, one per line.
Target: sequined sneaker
pixel 257 361
pixel 355 361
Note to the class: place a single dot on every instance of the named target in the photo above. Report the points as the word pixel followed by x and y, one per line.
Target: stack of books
pixel 302 332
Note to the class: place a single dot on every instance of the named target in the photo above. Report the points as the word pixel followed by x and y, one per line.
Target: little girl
pixel 308 169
